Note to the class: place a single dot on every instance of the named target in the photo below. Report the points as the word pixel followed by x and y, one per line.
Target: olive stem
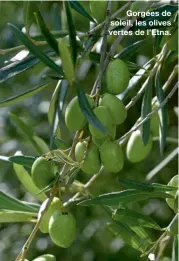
pixel 86 186
pixel 27 244
pixel 160 58
pixel 136 126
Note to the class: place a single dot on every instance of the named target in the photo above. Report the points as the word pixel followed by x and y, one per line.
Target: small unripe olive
pixel 174 183
pixel 43 172
pixel 98 9
pixel 98 142
pixel 62 228
pixel 111 156
pixel 55 205
pixel 136 151
pixel 46 257
pixel 74 117
pixel 172 229
pixel 116 108
pixel 104 117
pixel 117 77
pixel 92 162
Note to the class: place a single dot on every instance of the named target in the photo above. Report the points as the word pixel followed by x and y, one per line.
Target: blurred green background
pixel 93 241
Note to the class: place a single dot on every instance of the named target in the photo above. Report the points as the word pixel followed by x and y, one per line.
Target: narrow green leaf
pixel 61 144
pixel 16 68
pixel 88 45
pixel 4 158
pixel 129 50
pixel 27 182
pixel 7 216
pixel 123 197
pixel 133 218
pixel 35 50
pixel 175 249
pixel 154 187
pixel 46 33
pixel 163 111
pixel 42 144
pixel 127 235
pixel 80 9
pixel 67 63
pixel 25 161
pixel 22 96
pixel 10 203
pixel 157 41
pixel 72 31
pixel 146 109
pixel 140 231
pixel 29 7
pixel 26 130
pixel 88 112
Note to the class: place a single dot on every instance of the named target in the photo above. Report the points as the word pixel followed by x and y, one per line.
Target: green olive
pixel 92 162
pixel 74 117
pixel 62 228
pixel 136 151
pixel 116 108
pixel 55 205
pixel 172 229
pixel 174 183
pixel 117 77
pixel 46 257
pixel 104 117
pixel 43 172
pixel 111 156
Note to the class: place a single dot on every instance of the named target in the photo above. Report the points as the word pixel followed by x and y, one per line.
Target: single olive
pixel 46 257
pixel 136 151
pixel 62 228
pixel 174 183
pixel 104 117
pixel 117 77
pixel 111 155
pixel 55 205
pixel 115 106
pixel 43 172
pixel 92 162
pixel 74 117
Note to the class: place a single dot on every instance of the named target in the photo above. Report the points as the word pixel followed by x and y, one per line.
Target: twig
pixel 162 164
pixel 153 71
pixel 104 44
pixel 27 244
pixel 136 126
pixel 87 185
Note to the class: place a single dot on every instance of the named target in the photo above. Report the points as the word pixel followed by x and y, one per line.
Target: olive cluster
pixel 110 111
pixel 60 224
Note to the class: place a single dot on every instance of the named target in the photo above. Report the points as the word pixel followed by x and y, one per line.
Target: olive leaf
pixel 11 216
pixel 27 182
pixel 46 33
pixel 163 111
pixel 35 50
pixel 88 112
pixel 29 7
pixel 124 232
pixel 67 62
pixel 80 9
pixel 23 160
pixel 22 96
pixel 146 109
pixel 72 31
pixel 133 218
pixel 123 197
pixel 11 203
